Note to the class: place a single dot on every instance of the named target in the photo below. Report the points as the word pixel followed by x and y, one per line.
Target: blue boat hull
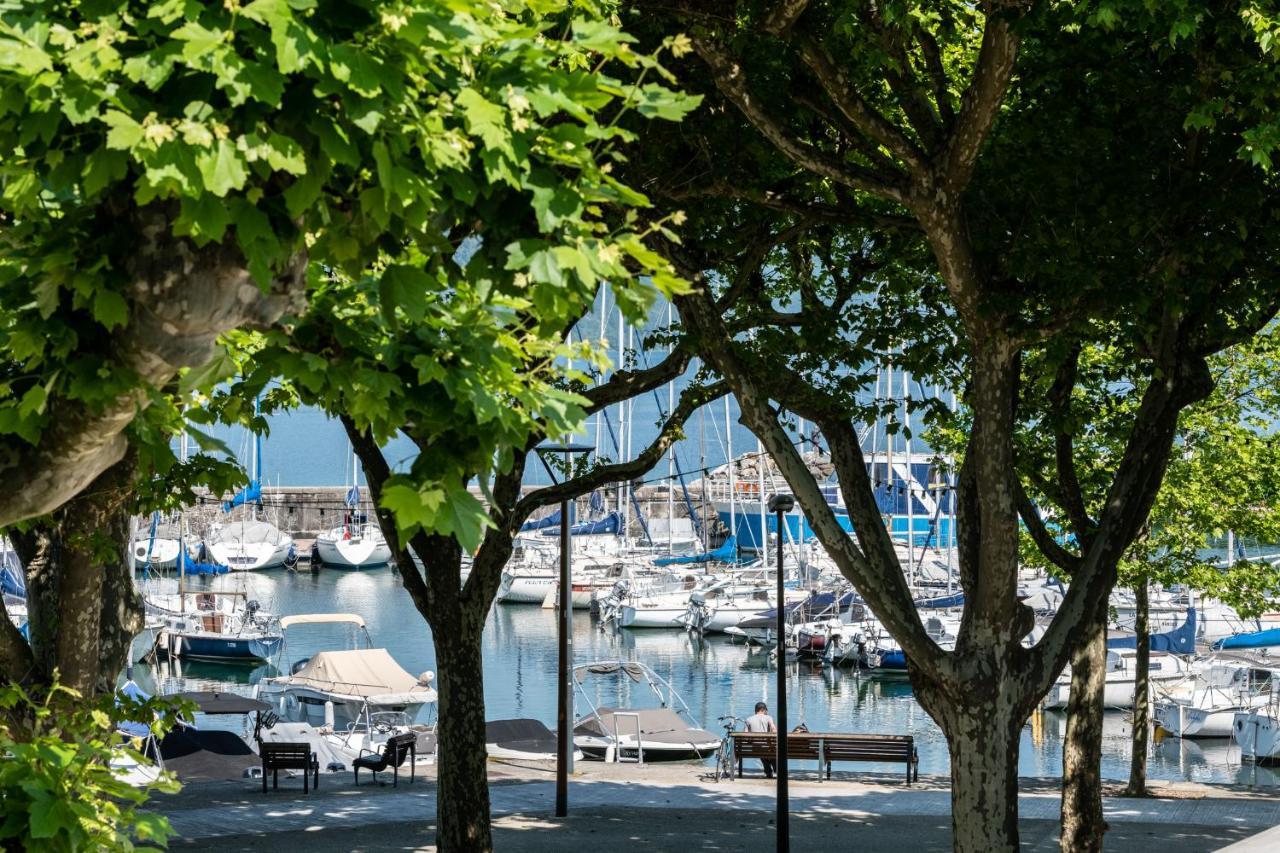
pixel 247 649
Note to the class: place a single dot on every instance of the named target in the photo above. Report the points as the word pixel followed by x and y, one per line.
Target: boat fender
pixel 426 678
pixel 328 714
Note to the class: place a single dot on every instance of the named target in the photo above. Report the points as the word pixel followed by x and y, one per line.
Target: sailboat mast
pixel 908 443
pixel 733 484
pixel 671 452
pixel 763 544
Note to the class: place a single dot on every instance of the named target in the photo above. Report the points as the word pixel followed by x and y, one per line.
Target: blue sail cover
pixel 611 523
pixel 552 520
pixel 251 493
pixel 726 553
pixel 1179 641
pixel 353 497
pixel 12 582
pixel 192 567
pixel 1252 640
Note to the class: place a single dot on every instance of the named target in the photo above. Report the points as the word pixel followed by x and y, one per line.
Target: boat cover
pixel 251 493
pixel 543 523
pixel 726 553
pixel 1179 641
pixel 193 567
pixel 249 532
pixel 206 754
pixel 1252 640
pixel 660 725
pixel 12 582
pixel 520 736
pixel 634 671
pixel 319 619
pixel 611 523
pixel 368 674
pixel 210 702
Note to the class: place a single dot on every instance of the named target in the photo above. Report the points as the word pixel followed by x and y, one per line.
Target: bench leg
pixel 395 776
pixel 357 771
pixel 306 780
pixel 315 765
pixel 413 765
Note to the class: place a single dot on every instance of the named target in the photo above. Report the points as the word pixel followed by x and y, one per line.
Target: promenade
pixel 672 808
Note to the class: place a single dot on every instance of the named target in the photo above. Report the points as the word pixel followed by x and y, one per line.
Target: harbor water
pixel 714 676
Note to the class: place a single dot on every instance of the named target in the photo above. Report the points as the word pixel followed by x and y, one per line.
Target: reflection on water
pixel 714 676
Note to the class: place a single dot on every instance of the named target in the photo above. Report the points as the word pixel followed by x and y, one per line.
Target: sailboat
pixel 357 543
pixel 249 543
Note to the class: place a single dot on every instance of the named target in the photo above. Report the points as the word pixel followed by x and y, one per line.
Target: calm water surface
pixel 714 676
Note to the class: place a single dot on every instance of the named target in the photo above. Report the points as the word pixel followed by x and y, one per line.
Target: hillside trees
pixel 1011 181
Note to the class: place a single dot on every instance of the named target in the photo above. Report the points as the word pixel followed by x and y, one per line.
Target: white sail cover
pixel 368 674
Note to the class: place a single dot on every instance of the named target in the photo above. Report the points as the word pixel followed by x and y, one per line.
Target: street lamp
pixel 781 505
pixel 564 681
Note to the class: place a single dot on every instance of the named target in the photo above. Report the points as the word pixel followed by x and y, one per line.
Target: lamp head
pixel 782 503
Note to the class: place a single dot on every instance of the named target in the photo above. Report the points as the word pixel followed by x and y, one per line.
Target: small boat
pixel 247 545
pixel 1206 705
pixel 335 689
pixel 665 733
pixel 1264 642
pixel 521 740
pixel 354 545
pixel 157 549
pixel 222 626
pixel 1257 732
pixel 357 543
pixel 1118 690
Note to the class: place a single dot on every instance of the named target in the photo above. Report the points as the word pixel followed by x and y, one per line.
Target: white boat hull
pixel 353 554
pixel 248 557
pixel 1257 733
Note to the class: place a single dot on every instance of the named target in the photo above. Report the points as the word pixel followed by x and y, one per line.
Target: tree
pixel 459 337
pixel 1054 170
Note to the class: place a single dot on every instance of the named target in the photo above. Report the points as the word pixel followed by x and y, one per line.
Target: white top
pixel 320 619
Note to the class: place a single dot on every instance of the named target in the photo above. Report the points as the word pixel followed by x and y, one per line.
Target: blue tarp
pixel 611 523
pixel 552 520
pixel 1179 641
pixel 726 553
pixel 941 601
pixel 192 567
pixel 353 496
pixel 251 493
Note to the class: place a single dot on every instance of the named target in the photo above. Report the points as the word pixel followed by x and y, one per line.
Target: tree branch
pixel 731 81
pixel 1055 553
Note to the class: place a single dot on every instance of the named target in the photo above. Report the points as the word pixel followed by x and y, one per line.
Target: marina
pixel 715 675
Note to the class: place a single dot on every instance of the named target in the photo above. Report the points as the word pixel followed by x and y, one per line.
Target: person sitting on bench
pixel 760 722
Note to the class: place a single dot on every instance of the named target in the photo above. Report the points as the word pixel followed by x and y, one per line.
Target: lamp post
pixel 780 505
pixel 564 680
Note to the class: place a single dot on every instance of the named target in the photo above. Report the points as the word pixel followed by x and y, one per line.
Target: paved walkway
pixel 670 809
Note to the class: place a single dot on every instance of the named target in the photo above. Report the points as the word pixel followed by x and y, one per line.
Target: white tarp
pixel 369 674
pixel 320 619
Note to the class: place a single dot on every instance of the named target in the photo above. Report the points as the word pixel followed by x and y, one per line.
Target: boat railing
pixel 617 740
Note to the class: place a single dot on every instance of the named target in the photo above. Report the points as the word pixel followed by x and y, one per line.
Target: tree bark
pixel 1082 821
pixel 83 611
pixel 984 749
pixel 1137 786
pixel 462 795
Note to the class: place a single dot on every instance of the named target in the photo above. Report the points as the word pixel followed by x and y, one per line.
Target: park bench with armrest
pixel 830 747
pixel 288 756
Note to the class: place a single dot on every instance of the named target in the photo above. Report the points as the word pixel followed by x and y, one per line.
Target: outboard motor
pixel 697 614
pixel 611 606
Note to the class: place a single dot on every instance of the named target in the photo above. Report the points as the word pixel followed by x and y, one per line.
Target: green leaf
pixel 125 133
pixel 204 218
pixel 361 72
pixel 485 119
pixel 406 288
pixel 285 155
pixel 110 309
pixel 208 443
pixel 222 168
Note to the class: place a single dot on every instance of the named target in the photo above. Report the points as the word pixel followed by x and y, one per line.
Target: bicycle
pixel 724 756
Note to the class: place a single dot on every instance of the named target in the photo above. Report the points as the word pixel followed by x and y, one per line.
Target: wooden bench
pixel 288 756
pixel 829 747
pixel 397 748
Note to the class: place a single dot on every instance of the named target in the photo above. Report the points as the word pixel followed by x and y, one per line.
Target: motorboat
pixel 1257 732
pixel 521 740
pixel 1207 703
pixel 335 689
pixel 1119 687
pixel 222 626
pixel 353 546
pixel 246 545
pixel 667 732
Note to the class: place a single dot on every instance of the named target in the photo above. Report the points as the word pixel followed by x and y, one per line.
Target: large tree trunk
pixel 1082 821
pixel 83 611
pixel 984 750
pixel 1142 693
pixel 462 797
